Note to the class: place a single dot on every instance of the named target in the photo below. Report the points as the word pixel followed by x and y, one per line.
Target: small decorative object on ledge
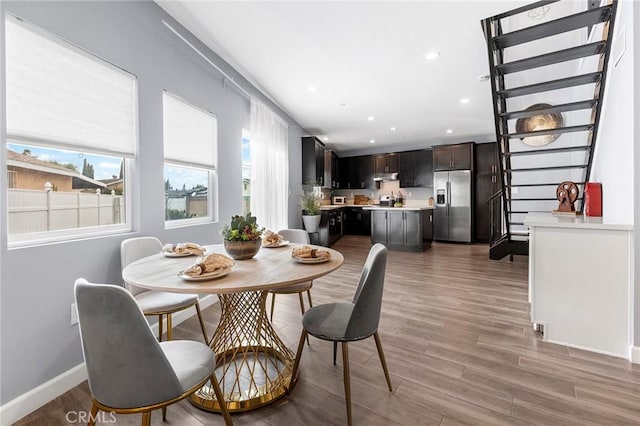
pixel 567 194
pixel 242 238
pixel 593 199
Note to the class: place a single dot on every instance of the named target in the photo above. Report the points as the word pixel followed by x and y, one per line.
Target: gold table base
pixel 253 365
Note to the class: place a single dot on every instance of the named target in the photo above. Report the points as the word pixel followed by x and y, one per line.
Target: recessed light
pixel 371 118
pixel 372 141
pixel 343 104
pixel 449 131
pixel 325 138
pixel 464 100
pixel 432 55
pixel 311 89
pixel 393 129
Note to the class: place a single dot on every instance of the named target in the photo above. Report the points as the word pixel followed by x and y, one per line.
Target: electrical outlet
pixel 410 194
pixel 74 314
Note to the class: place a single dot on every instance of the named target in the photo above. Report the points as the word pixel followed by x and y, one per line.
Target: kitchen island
pixel 402 228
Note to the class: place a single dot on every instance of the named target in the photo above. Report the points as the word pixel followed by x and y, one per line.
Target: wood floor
pixel 459 345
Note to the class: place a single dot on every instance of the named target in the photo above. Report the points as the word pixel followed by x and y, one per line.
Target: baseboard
pixel 39 396
pixel 635 354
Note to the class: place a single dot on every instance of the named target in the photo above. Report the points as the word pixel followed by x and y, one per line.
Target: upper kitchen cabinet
pixel 386 163
pixel 453 157
pixel 357 172
pixel 416 168
pixel 331 170
pixel 312 161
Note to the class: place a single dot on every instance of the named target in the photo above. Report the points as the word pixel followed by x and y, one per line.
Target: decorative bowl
pixel 241 250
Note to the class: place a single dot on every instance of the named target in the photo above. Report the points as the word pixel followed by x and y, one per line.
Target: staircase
pixel 548 66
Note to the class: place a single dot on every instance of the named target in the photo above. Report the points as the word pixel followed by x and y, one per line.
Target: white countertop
pixel 373 207
pixel 551 220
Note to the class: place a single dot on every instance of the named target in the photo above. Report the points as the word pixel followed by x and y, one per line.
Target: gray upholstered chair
pixel 160 303
pixel 299 236
pixel 348 322
pixel 129 371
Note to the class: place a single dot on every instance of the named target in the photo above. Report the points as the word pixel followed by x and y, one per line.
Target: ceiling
pixel 364 59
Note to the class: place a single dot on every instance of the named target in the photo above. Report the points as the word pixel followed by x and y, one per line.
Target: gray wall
pixel 37 341
pixel 636 161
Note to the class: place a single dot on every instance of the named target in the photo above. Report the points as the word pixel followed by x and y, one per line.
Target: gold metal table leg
pixel 253 365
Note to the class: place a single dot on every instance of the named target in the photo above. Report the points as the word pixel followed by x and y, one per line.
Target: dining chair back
pixel 347 322
pixel 156 303
pixel 297 236
pixel 128 370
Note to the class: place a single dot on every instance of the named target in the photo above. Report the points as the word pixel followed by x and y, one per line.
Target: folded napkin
pixel 271 239
pixel 306 252
pixel 209 264
pixel 183 248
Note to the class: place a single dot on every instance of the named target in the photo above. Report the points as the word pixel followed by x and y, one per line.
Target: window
pixel 71 134
pixel 12 179
pixel 190 147
pixel 246 172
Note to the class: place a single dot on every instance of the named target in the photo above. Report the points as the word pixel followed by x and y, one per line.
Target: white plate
pixel 173 254
pixel 311 259
pixel 280 244
pixel 204 277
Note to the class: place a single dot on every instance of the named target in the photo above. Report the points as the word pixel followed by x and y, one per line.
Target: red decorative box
pixel 593 199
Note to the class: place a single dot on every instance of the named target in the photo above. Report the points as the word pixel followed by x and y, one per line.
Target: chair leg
pixel 204 332
pixel 169 328
pixel 309 297
pixel 302 309
pixel 93 415
pixel 347 381
pixel 164 414
pixel 221 401
pixel 273 304
pixel 160 328
pixel 296 364
pixel 382 360
pixel 335 349
pixel 146 418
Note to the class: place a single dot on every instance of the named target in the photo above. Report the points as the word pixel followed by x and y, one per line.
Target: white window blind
pixel 59 93
pixel 189 133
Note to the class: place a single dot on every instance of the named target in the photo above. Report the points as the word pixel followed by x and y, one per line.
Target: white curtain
pixel 269 167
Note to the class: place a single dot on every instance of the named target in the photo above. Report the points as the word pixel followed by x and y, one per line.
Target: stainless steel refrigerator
pixel 452 215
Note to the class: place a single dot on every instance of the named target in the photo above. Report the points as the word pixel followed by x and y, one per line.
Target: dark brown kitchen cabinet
pixel 453 157
pixel 386 163
pixel 356 172
pixel 312 161
pixel 416 168
pixel 356 221
pixel 331 170
pixel 402 229
pixel 487 183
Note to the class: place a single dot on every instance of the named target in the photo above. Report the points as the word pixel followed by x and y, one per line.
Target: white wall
pixel 616 156
pixel 37 341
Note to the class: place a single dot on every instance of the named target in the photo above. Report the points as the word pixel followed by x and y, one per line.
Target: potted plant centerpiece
pixel 310 203
pixel 242 237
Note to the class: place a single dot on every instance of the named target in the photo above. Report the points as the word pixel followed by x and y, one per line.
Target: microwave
pixel 339 200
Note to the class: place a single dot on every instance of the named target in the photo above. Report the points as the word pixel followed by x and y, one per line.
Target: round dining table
pixel 254 366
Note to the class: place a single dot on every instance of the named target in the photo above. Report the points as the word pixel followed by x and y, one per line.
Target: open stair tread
pixel 547 151
pixel 519 185
pixel 583 51
pixel 557 26
pixel 531 169
pixel 557 130
pixel 572 106
pixel 546 86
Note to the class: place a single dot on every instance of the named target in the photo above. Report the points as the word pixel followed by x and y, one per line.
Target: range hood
pixel 379 177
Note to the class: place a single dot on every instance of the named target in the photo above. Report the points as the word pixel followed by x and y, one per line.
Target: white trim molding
pixel 39 396
pixel 635 354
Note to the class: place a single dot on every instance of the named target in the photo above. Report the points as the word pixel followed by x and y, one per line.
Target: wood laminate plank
pixel 459 345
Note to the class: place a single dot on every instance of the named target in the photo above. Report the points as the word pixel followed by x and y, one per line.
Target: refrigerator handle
pixel 448 197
